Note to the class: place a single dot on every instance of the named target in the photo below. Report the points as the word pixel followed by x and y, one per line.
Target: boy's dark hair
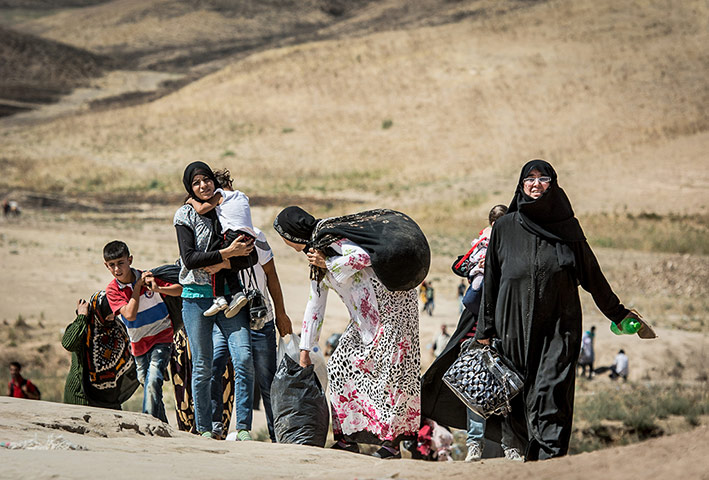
pixel 496 212
pixel 224 178
pixel 16 365
pixel 114 250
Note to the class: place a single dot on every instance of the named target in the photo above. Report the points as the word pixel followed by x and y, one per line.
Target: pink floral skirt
pixel 375 389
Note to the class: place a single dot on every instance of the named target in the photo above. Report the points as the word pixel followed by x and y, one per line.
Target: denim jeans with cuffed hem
pixel 150 367
pixel 263 347
pixel 200 334
pixel 476 428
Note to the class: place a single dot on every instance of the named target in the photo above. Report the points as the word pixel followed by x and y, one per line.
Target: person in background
pixel 620 366
pixel 430 297
pixel 440 340
pixel 587 352
pixel 422 295
pixel 20 387
pixel 461 293
pixel 331 343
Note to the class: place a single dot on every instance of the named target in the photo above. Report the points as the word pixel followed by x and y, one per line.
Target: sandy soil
pixel 136 443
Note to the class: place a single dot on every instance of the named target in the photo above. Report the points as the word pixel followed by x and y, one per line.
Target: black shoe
pixel 347 447
pixel 385 454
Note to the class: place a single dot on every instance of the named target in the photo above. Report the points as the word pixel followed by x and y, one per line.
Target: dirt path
pixel 113 440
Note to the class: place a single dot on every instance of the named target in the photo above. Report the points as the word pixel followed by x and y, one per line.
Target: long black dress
pixel 532 304
pixel 439 403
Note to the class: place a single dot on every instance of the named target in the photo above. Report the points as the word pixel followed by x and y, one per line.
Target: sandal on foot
pixel 385 453
pixel 347 447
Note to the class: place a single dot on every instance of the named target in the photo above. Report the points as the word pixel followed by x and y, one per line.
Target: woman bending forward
pixel 374 373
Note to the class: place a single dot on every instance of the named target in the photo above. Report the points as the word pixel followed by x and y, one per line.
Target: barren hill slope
pixel 35 70
pixel 182 34
pixel 435 119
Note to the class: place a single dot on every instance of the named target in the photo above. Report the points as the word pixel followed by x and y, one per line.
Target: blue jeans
pixel 476 428
pixel 150 367
pixel 237 334
pixel 263 345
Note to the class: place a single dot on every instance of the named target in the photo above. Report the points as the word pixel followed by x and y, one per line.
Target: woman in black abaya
pixel 536 259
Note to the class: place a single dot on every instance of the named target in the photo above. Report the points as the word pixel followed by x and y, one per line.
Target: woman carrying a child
pixel 374 372
pixel 196 235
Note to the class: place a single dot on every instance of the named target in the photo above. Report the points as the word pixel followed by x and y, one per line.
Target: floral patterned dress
pixel 374 374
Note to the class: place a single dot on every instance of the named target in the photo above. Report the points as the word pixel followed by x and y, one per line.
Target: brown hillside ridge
pixel 36 71
pixel 177 34
pixel 597 89
pixel 108 441
pixel 197 38
pixel 47 4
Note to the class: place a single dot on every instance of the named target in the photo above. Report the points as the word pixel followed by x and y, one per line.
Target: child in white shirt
pixel 234 214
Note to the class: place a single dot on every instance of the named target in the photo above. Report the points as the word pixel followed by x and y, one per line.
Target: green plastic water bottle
pixel 628 326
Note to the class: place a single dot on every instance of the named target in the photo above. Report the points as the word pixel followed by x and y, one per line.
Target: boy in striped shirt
pixel 136 298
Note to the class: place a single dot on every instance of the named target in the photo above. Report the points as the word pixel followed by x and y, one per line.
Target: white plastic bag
pixel 292 349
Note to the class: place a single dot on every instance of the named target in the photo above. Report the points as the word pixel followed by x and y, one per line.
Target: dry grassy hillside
pixel 180 34
pixel 609 93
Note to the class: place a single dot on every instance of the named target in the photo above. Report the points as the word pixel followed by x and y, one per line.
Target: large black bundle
pixel 300 410
pixel 398 248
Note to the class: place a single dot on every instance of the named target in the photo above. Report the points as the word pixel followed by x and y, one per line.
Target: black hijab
pixel 295 224
pixel 550 216
pixel 197 168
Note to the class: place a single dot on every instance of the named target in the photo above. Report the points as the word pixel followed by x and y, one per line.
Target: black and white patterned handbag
pixel 482 381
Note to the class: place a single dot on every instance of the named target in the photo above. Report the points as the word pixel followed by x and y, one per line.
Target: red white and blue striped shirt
pixel 151 324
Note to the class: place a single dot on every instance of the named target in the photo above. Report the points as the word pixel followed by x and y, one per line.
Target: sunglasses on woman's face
pixel 532 180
